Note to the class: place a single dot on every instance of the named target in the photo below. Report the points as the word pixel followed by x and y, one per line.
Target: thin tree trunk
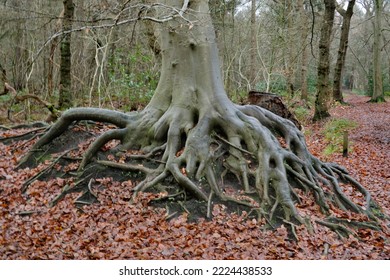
pixel 378 94
pixel 304 56
pixel 323 94
pixel 3 80
pixel 53 47
pixel 343 46
pixel 253 46
pixel 291 45
pixel 65 98
pixel 304 87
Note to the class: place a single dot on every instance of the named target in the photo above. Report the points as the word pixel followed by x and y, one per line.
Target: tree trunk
pixel 323 93
pixel 65 95
pixel 204 142
pixel 53 47
pixel 290 38
pixel 304 55
pixel 378 94
pixel 342 53
pixel 253 63
pixel 3 80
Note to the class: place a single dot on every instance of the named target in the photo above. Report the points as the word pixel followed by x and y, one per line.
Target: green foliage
pixel 5 98
pixel 133 77
pixel 386 85
pixel 334 133
pixel 312 82
pixel 302 114
pixel 359 92
pixel 238 96
pixel 370 84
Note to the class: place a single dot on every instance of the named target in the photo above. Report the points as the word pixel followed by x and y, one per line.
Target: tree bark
pixel 290 38
pixel 304 55
pixel 65 95
pixel 3 80
pixel 378 94
pixel 53 47
pixel 253 64
pixel 342 53
pixel 323 93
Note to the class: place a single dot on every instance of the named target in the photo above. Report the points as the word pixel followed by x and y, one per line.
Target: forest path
pixel 369 157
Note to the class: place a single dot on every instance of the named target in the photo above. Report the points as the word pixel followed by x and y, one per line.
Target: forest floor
pixel 116 229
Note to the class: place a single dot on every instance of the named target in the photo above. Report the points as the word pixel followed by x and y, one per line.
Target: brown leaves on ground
pixel 116 229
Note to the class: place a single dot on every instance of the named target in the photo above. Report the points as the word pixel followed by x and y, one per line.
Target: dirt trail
pixel 374 119
pixel 369 160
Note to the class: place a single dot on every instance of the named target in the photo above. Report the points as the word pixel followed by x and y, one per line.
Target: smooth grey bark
pixel 203 136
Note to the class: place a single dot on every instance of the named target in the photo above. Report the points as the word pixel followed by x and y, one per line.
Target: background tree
pixel 65 95
pixel 304 27
pixel 343 47
pixel 253 50
pixel 122 71
pixel 323 94
pixel 378 94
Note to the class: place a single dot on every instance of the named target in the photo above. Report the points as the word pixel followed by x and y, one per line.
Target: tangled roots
pixel 203 149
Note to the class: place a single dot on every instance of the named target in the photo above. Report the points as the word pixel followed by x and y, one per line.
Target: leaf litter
pixel 117 229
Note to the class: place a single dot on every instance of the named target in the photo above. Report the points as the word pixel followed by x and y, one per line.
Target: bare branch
pixel 116 22
pixel 184 8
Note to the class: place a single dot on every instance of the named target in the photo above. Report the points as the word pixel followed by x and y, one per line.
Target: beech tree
pixel 199 138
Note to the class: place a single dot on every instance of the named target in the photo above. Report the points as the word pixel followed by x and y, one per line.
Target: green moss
pixel 334 133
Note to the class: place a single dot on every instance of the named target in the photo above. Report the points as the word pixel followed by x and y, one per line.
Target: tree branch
pixel 174 13
pixel 184 8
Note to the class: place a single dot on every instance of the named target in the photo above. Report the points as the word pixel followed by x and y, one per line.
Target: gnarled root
pixel 201 148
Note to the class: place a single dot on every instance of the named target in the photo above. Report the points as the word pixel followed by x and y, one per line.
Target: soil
pixel 114 228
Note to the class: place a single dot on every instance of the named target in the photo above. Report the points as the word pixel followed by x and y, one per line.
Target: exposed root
pixel 200 149
pixel 341 230
pixel 28 136
pixel 23 135
pixel 77 114
pixel 116 134
pixel 37 176
pixel 126 167
pixel 69 189
pixel 213 149
pixel 20 126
